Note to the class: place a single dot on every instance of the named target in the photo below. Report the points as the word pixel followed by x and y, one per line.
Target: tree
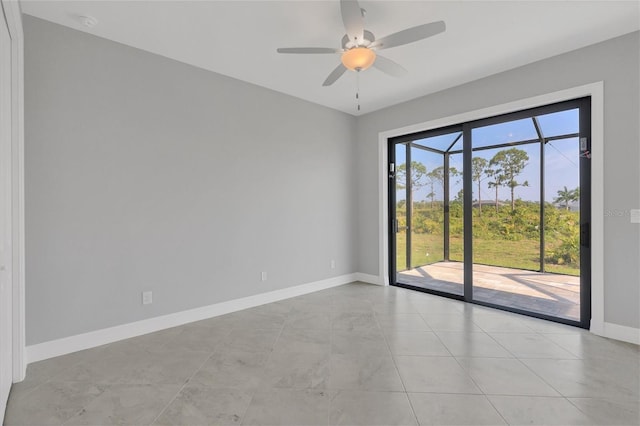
pixel 478 171
pixel 497 182
pixel 417 172
pixel 437 176
pixel 566 196
pixel 510 162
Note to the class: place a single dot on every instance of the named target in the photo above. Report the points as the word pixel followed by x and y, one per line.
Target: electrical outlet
pixel 333 264
pixel 635 215
pixel 264 276
pixel 147 297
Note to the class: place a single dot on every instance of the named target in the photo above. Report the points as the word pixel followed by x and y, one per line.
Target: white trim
pixel 6 213
pixel 92 339
pixel 383 209
pixel 596 91
pixel 618 332
pixel 13 16
pixel 368 278
pixel 597 206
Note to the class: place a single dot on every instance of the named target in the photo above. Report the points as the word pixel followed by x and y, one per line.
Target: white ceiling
pixel 239 39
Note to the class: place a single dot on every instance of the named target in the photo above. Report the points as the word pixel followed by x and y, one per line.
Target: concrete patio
pixel 551 294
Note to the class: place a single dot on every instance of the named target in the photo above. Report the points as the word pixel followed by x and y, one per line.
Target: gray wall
pixel 616 62
pixel 143 173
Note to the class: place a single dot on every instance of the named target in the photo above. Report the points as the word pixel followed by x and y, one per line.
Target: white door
pixel 5 218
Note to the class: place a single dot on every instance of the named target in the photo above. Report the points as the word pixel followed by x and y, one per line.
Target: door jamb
pixel 13 18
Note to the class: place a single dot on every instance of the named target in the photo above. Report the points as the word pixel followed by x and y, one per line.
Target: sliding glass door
pixel 496 211
pixel 426 220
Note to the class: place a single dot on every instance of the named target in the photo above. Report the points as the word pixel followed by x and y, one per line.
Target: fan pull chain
pixel 358 89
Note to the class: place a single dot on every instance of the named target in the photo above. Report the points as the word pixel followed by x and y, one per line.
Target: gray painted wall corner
pixel 143 173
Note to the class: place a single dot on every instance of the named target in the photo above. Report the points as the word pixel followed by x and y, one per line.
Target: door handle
pixel 585 237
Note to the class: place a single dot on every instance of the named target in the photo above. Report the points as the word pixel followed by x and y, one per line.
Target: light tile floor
pixel 355 355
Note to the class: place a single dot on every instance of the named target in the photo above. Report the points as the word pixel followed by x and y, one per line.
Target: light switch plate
pixel 635 215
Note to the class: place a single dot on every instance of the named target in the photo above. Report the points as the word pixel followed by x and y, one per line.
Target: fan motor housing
pixel 368 39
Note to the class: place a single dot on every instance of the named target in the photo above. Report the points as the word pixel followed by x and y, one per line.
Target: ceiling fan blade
pixel 409 35
pixel 335 74
pixel 390 67
pixel 307 50
pixel 352 19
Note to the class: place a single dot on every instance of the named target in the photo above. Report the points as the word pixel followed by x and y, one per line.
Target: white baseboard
pixel 104 336
pixel 369 279
pixel 617 332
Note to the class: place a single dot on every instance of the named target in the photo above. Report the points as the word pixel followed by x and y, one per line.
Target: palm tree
pixel 566 196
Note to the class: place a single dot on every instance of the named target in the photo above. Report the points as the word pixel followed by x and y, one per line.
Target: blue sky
pixel 561 157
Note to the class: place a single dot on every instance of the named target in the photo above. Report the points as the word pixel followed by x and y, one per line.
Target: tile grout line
pixel 495 408
pixel 395 364
pixel 333 311
pixel 580 409
pixel 544 336
pixel 563 396
pixel 181 388
pixel 266 362
pixel 471 377
pixel 51 378
pixel 467 373
pixel 81 409
pixel 331 340
pixel 539 376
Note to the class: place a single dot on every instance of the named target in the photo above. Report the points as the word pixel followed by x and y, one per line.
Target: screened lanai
pixel 519 223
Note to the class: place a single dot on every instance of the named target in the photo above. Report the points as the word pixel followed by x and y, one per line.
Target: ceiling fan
pixel 359 46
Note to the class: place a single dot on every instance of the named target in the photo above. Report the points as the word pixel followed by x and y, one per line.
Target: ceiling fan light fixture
pixel 359 46
pixel 358 58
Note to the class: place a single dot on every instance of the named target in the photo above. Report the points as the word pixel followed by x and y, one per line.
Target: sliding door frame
pixel 583 104
pixel 391 197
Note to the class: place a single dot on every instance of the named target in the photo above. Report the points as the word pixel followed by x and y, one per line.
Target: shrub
pixel 568 252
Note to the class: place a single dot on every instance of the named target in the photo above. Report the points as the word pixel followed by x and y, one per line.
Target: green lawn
pixel 522 254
